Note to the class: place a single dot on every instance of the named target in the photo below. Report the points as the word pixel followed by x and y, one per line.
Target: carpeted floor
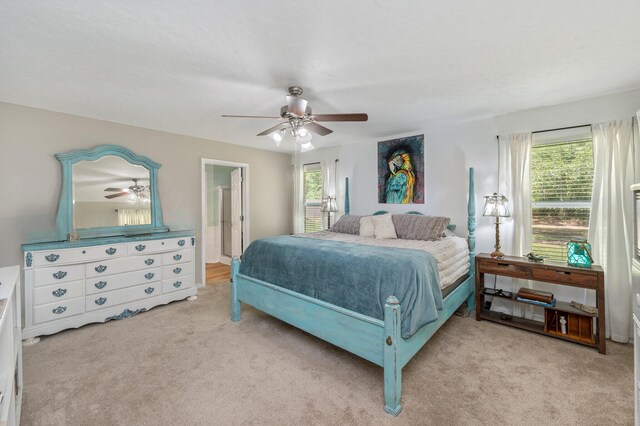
pixel 187 363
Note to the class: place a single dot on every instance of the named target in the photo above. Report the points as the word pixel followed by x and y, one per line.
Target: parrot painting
pixel 399 187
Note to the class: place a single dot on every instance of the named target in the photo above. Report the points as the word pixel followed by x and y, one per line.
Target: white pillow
pixel 383 226
pixel 366 226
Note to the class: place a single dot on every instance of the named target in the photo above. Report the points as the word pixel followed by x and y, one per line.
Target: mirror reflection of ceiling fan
pixel 297 119
pixel 136 191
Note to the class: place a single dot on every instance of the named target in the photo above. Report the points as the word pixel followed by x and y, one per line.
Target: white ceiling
pixel 178 65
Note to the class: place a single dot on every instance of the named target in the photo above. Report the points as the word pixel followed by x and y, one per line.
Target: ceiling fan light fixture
pixel 277 137
pixel 305 147
pixel 302 132
pixel 303 139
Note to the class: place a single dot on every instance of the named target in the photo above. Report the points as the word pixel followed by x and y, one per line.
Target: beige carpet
pixel 187 363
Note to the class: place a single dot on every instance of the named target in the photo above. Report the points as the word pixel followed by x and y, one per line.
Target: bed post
pixel 471 224
pixel 392 367
pixel 347 208
pixel 235 303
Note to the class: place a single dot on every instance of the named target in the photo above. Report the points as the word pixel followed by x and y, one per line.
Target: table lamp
pixel 496 205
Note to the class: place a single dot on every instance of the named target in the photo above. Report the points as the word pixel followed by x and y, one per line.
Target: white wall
pixel 30 175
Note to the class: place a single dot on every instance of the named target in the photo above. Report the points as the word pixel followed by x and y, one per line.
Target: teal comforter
pixel 353 276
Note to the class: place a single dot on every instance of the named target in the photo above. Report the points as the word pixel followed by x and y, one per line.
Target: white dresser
pixel 73 283
pixel 10 347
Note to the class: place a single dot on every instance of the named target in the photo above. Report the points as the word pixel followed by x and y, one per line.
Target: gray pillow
pixel 415 227
pixel 347 224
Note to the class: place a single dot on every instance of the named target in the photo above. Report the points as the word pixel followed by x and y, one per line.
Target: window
pixel 561 183
pixel 312 196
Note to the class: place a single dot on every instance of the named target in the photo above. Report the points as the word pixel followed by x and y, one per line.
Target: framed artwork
pixel 401 170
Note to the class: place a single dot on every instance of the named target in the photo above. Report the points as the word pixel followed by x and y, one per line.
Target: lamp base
pixel 497 254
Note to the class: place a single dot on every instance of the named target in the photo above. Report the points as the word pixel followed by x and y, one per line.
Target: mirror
pixel 108 191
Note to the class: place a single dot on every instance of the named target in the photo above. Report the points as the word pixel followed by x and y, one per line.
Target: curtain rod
pixel 552 130
pixel 561 128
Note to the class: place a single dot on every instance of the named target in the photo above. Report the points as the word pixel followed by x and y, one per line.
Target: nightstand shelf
pixel 579 323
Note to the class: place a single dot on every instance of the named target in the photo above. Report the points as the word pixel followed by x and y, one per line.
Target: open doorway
pixel 225 225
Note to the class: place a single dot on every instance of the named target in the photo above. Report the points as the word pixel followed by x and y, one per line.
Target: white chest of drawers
pixel 71 284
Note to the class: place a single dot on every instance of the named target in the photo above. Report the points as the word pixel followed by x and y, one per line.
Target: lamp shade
pixel 496 205
pixel 329 205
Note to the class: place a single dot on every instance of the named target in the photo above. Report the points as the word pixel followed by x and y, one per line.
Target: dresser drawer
pixel 75 255
pixel 566 277
pixel 154 246
pixel 112 298
pixel 177 270
pixel 55 311
pixel 58 292
pixel 177 257
pixel 58 274
pixel 118 281
pixel 125 264
pixel 179 283
pixel 506 269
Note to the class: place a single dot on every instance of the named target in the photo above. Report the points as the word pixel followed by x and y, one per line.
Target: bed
pixel 386 336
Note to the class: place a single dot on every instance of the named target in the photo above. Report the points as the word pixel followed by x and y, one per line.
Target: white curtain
pixel 611 220
pixel 515 154
pixel 298 208
pixel 134 217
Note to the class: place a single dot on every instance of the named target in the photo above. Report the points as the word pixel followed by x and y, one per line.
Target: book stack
pixel 536 297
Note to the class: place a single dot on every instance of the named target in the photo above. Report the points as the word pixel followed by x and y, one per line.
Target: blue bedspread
pixel 354 276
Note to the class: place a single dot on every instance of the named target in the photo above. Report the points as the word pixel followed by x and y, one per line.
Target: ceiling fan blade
pixel 318 129
pixel 115 189
pixel 116 195
pixel 341 117
pixel 297 105
pixel 272 129
pixel 247 116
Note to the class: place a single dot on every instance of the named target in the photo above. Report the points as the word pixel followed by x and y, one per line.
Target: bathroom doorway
pixel 224 216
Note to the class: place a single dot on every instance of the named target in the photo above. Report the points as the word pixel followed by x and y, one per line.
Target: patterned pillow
pixel 415 227
pixel 383 227
pixel 347 224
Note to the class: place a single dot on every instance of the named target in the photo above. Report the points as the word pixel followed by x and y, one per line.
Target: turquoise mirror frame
pixel 64 220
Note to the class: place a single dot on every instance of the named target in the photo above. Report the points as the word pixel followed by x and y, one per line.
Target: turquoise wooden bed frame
pixel 372 339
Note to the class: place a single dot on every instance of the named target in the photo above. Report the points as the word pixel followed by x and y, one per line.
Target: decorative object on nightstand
pixel 534 257
pixel 496 205
pixel 329 206
pixel 579 253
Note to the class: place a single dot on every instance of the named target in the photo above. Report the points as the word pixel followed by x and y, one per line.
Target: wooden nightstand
pixel 579 321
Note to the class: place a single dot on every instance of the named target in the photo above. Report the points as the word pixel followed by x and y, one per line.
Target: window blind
pixel 312 195
pixel 561 171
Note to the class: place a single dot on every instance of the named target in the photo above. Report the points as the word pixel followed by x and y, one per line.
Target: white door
pixel 236 212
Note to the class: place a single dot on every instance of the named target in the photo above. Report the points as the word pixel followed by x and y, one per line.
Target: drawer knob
pixel 177 270
pixel 59 310
pixel 100 285
pixel 149 290
pixel 140 247
pixel 59 292
pixel 177 257
pixel 59 275
pixel 177 284
pixel 149 275
pixel 149 261
pixel 110 251
pixel 181 243
pixel 100 269
pixel 52 257
pixel 101 301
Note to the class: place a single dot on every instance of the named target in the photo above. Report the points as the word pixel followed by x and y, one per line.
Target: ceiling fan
pixel 138 191
pixel 297 119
